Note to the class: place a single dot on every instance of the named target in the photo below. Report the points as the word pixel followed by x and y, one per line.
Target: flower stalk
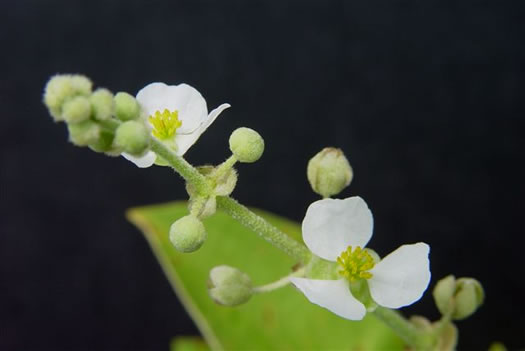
pixel 264 229
pixel 280 283
pixel 419 340
pixel 181 166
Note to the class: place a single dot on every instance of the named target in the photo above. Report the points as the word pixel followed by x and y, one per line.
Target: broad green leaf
pixel 279 320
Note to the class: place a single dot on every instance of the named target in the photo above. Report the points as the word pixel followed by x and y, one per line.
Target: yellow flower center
pixel 355 264
pixel 165 123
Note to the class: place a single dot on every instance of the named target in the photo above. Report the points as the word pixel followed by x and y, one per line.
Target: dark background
pixel 424 97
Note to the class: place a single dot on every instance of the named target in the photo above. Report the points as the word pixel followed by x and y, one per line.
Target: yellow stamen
pixel 355 264
pixel 165 124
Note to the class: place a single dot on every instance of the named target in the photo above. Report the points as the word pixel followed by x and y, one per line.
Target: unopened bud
pixel 229 286
pixel 443 294
pixel 246 145
pixel 329 172
pixel 187 234
pixel 84 133
pixel 76 110
pixel 63 87
pixel 132 137
pixel 458 298
pixel 126 107
pixel 469 296
pixel 102 104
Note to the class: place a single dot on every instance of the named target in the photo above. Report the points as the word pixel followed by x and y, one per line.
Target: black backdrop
pixel 423 96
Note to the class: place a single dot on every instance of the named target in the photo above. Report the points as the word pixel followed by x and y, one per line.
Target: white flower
pixel 331 228
pixel 178 115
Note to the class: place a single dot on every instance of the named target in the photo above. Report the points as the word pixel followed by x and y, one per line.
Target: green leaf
pixel 188 343
pixel 280 320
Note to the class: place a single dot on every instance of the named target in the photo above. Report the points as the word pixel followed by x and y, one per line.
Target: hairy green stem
pixel 179 164
pixel 278 283
pixel 418 339
pixel 267 231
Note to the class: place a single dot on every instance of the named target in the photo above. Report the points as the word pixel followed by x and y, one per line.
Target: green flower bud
pixel 329 172
pixel 62 87
pixel 76 110
pixel 443 294
pixel 247 145
pixel 459 298
pixel 102 104
pixel 126 107
pixel 84 133
pixel 229 286
pixel 187 234
pixel 132 137
pixel 469 296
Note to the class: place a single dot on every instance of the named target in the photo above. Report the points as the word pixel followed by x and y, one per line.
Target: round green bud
pixel 61 88
pixel 81 84
pixel 187 234
pixel 102 104
pixel 84 133
pixel 469 297
pixel 443 294
pixel 246 145
pixel 76 110
pixel 229 286
pixel 132 137
pixel 126 107
pixel 329 172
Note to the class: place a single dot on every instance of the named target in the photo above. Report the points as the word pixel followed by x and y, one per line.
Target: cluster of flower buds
pixel 98 119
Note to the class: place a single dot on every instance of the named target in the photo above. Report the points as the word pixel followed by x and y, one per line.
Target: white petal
pixel 331 225
pixel 334 295
pixel 402 277
pixel 212 116
pixel 185 141
pixel 142 161
pixel 189 103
